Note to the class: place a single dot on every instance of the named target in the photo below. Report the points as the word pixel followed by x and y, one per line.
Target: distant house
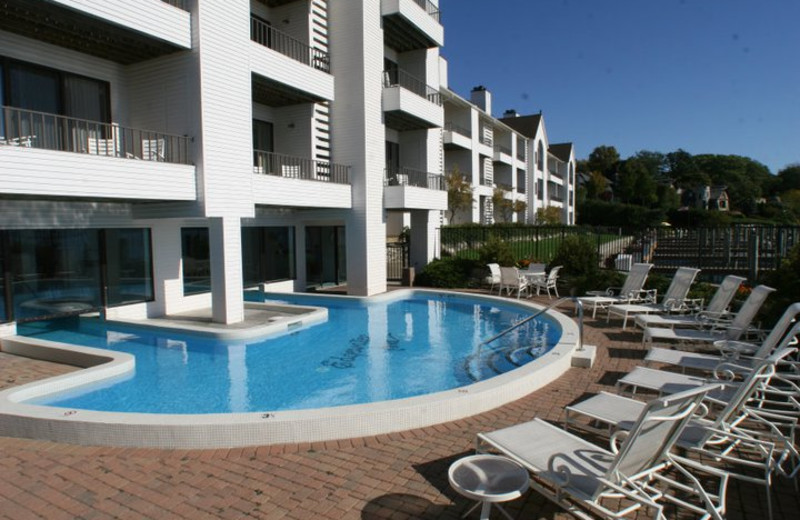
pixel 714 198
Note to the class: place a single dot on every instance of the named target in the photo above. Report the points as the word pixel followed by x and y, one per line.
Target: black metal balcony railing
pixel 270 163
pixel 401 78
pixel 555 173
pixel 411 177
pixel 504 187
pixel 31 129
pixel 431 9
pixel 180 4
pixel 451 127
pixel 266 35
pixel 521 152
pixel 502 149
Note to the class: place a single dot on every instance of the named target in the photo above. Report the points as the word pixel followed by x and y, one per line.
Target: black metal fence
pixel 744 249
pixel 396 260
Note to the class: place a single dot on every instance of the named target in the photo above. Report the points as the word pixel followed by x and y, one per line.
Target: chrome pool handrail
pixel 578 305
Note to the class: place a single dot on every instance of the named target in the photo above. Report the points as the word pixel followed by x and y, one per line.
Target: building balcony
pixel 287 71
pixel 116 30
pixel 502 154
pixel 407 188
pixel 284 180
pixel 49 155
pixel 555 174
pixel 411 24
pixel 457 137
pixel 409 103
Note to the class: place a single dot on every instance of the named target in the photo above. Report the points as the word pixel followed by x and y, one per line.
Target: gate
pixel 396 260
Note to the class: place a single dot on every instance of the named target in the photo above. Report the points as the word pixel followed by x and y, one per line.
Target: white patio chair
pixel 717 309
pixel 153 150
pixel 674 299
pixel 511 281
pixel 579 476
pixel 723 439
pixel 745 354
pixel 494 276
pixel 107 147
pixel 548 282
pixel 729 331
pixel 631 290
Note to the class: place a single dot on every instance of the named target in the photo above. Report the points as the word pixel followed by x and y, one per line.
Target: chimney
pixel 510 113
pixel 482 98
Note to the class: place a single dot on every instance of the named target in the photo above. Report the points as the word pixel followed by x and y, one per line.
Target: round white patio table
pixel 489 479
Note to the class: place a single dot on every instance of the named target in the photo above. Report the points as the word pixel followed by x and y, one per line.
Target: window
pixel 196 260
pixel 540 156
pixel 263 142
pixel 268 254
pixel 129 269
pixel 56 271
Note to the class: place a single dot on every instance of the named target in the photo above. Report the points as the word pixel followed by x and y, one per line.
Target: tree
pixel 743 177
pixel 549 216
pixel 503 207
pixel 789 178
pixel 635 184
pixel 519 207
pixel 604 159
pixel 596 185
pixel 459 192
pixel 683 170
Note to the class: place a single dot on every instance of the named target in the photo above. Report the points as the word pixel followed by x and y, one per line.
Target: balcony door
pixel 326 259
pixel 263 145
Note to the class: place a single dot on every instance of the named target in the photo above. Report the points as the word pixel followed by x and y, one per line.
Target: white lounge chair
pixel 745 354
pixel 721 438
pixel 494 276
pixel 548 282
pixel 631 290
pixel 511 281
pixel 674 299
pixel 729 331
pixel 717 308
pixel 579 476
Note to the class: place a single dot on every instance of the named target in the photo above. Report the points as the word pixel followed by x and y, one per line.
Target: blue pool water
pixel 365 352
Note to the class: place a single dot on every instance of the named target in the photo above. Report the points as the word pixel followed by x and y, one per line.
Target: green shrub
pixel 496 251
pixel 786 279
pixel 449 273
pixel 578 256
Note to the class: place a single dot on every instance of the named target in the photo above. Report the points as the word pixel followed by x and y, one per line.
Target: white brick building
pixel 159 156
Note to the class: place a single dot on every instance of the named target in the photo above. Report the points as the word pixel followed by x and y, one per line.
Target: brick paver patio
pixel 396 476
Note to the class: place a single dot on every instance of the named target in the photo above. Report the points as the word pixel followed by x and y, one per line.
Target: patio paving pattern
pixel 401 475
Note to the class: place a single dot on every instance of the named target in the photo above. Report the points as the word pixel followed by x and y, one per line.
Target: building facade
pixel 161 156
pixel 513 170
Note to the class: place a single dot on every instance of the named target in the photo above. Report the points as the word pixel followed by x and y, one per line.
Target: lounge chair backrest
pixel 679 287
pixel 777 336
pixel 756 380
pixel 741 322
pixel 494 271
pixel 655 432
pixel 635 279
pixel 724 294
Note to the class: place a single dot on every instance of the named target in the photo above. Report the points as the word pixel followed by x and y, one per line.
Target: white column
pixel 359 136
pixel 167 277
pixel 227 289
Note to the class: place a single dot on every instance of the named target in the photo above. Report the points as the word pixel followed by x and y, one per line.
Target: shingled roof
pixel 561 150
pixel 526 125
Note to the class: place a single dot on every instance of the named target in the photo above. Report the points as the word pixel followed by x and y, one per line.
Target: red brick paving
pixel 395 476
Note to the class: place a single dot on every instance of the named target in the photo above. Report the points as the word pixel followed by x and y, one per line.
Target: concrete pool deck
pixel 399 476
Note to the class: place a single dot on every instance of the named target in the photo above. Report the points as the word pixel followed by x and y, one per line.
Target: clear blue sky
pixel 707 76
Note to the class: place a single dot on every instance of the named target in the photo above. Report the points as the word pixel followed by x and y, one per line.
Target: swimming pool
pixel 395 353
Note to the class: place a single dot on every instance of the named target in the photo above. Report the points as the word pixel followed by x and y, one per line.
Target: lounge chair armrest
pixel 731 349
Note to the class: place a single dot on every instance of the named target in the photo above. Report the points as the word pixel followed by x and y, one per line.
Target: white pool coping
pixel 195 431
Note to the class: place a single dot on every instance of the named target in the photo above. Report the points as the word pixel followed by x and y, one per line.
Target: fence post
pixel 753 254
